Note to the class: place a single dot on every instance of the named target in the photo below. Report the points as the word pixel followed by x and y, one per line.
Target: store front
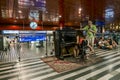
pixel 37 38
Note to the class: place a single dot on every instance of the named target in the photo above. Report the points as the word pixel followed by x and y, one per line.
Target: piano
pixel 64 41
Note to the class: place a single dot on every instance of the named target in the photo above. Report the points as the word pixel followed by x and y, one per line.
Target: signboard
pixel 100 23
pixel 32 37
pixel 10 32
pixel 40 3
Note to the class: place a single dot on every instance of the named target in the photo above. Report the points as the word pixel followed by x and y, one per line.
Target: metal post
pixel 46 45
pixel 18 49
pixel 61 14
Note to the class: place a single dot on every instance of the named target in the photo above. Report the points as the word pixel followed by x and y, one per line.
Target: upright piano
pixel 64 40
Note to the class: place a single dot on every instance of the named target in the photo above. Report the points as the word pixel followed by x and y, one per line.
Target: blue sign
pixel 32 37
pixel 40 3
pixel 100 23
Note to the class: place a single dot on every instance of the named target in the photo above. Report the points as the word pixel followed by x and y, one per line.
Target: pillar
pixel 95 9
pixel 61 14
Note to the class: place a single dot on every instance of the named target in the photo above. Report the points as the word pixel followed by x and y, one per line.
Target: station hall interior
pixel 59 40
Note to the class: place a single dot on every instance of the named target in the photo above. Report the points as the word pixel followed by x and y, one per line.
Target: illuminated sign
pixel 10 32
pixel 32 37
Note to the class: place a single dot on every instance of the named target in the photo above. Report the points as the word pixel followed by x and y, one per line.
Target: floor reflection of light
pixel 21 73
pixel 110 68
pixel 37 50
pixel 42 56
pixel 32 45
pixel 21 49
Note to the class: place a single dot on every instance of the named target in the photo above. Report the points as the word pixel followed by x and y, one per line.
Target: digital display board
pixel 32 37
pixel 40 3
pixel 100 23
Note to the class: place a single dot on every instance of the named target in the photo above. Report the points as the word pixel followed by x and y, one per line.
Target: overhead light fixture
pixel 60 16
pixel 15 21
pixel 17 17
pixel 19 11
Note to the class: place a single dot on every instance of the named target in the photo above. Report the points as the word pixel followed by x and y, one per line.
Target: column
pixel 61 14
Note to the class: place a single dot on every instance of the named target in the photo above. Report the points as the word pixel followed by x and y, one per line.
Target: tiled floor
pixel 32 68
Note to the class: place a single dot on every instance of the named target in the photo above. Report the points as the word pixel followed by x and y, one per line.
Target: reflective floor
pixel 31 67
pixel 27 51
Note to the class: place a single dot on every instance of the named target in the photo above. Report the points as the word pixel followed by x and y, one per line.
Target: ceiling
pixel 13 11
pixel 47 11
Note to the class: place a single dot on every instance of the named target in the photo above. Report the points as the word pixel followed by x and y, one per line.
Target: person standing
pixel 90 30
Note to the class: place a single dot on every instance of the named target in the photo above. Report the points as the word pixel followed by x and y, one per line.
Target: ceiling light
pixel 15 20
pixel 19 11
